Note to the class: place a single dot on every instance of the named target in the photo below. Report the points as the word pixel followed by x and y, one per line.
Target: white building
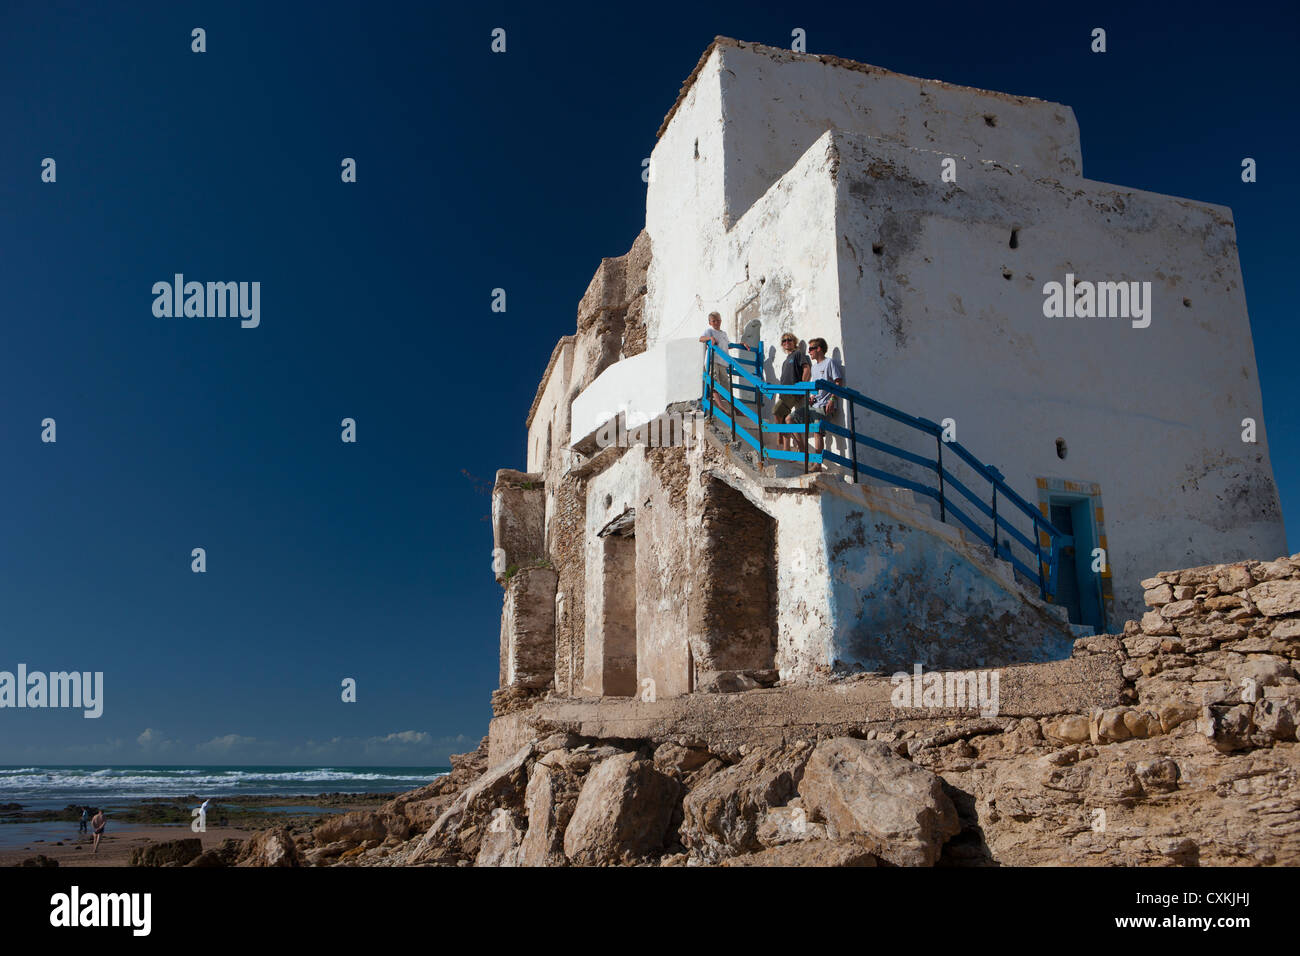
pixel 915 225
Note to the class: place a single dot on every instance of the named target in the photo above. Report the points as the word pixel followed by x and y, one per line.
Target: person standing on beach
pixel 85 817
pixel 98 822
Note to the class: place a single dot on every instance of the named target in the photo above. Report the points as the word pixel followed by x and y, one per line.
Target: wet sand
pixel 115 846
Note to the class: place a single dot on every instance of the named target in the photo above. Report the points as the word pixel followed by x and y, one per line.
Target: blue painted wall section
pixel 907 589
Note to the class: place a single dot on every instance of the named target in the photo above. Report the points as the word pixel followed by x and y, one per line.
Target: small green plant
pixel 535 563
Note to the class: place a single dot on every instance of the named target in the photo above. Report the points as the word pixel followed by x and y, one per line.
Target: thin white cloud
pixel 403 737
pixel 224 745
pixel 154 741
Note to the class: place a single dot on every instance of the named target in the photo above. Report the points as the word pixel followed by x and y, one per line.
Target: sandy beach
pixel 59 839
pixel 115 846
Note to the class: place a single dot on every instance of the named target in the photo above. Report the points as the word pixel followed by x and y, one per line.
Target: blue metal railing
pixel 1045 537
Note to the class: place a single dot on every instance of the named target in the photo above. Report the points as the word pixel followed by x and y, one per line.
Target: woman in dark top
pixel 794 369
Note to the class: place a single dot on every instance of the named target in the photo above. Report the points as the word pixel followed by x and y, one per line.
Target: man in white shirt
pixel 829 369
pixel 714 334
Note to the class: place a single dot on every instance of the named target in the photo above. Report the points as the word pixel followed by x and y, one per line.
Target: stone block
pixel 622 813
pixel 1287 630
pixel 869 795
pixel 1141 646
pixel 1275 598
pixel 721 817
pixel 1162 594
pixel 518 521
pixel 1070 729
pixel 1235 577
pixel 1154 624
pixel 528 629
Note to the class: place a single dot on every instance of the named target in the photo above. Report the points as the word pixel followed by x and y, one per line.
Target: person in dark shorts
pixel 794 369
pixel 98 822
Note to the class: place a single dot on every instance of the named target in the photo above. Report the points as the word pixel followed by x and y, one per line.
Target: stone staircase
pixel 777 476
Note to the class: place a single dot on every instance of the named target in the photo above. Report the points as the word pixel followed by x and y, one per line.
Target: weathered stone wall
pixel 609 640
pixel 610 667
pixel 732 619
pixel 664 578
pixel 908 589
pixel 1173 744
pixel 610 315
pixel 518 520
pixel 1220 645
pixel 569 557
pixel 528 629
pixel 1198 765
pixel 547 418
pixel 610 326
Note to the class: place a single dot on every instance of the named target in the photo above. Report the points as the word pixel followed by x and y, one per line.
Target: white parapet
pixel 642 386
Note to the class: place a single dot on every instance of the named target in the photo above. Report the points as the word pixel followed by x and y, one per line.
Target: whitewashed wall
pixel 947 321
pixel 641 386
pixel 776 103
pixel 754 208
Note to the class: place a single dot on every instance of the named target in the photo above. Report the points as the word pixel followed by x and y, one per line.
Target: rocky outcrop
pixel 722 816
pixel 273 847
pixel 225 854
pixel 622 813
pixel 355 827
pixel 867 794
pixel 811 853
pixel 415 811
pixel 457 833
pixel 167 853
pixel 1189 758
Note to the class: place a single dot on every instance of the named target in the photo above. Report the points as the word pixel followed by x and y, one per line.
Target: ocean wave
pixel 168 781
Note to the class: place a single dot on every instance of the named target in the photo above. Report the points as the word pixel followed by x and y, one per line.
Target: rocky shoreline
pixel 1193 761
pixel 243 811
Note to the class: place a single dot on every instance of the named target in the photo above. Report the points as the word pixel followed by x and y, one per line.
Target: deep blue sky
pixel 475 171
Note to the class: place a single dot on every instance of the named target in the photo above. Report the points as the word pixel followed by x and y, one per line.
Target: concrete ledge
pixel 641 387
pixel 723 722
